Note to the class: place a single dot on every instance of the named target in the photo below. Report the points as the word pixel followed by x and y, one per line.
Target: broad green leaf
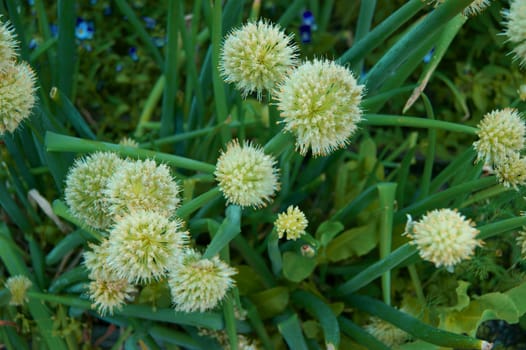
pixel 508 306
pixel 271 302
pixel 354 242
pixel 328 230
pixel 297 267
pixel 247 280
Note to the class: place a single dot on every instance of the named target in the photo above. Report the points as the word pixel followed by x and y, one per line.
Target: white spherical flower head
pixel 511 172
pixel 17 95
pixel 143 245
pixel 444 237
pixel 501 133
pixel 292 222
pixel 320 104
pixel 198 284
pixel 85 184
pixel 18 286
pixel 246 175
pixel 8 44
pixel 142 185
pixel 110 295
pixel 257 56
pixel 516 28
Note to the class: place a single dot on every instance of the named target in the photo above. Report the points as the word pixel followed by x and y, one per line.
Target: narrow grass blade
pixel 70 242
pixel 65 107
pixel 67 49
pixel 324 314
pixel 229 229
pixel 290 330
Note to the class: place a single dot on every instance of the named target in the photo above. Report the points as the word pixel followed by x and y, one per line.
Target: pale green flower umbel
pixel 143 245
pixel 443 237
pixel 198 284
pixel 142 185
pixel 320 104
pixel 256 57
pixel 7 45
pixel 85 184
pixel 246 175
pixel 501 133
pixel 110 295
pixel 17 95
pixel 18 286
pixel 511 172
pixel 292 222
pixel 516 28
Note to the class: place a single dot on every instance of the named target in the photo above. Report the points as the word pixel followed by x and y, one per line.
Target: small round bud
pixel 85 185
pixel 18 286
pixel 17 95
pixel 198 284
pixel 292 222
pixel 257 56
pixel 320 104
pixel 444 237
pixel 246 175
pixel 143 246
pixel 142 185
pixel 501 133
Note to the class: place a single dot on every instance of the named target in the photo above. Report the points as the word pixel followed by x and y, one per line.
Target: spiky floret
pixel 516 28
pixel 143 245
pixel 198 284
pixel 110 295
pixel 443 237
pixel 142 185
pixel 246 175
pixel 292 222
pixel 18 286
pixel 511 172
pixel 95 261
pixel 257 56
pixel 17 95
pixel 501 133
pixel 85 185
pixel 385 332
pixel 320 104
pixel 8 45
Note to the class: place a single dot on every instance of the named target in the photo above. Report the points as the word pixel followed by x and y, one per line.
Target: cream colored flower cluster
pixel 17 83
pixel 134 203
pixel 318 100
pixel 443 237
pixel 515 28
pixel 501 136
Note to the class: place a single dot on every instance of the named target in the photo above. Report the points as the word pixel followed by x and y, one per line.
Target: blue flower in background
pixel 427 58
pixel 308 25
pixel 93 2
pixel 84 29
pixel 133 53
pixel 33 44
pixel 159 42
pixel 149 22
pixel 31 2
pixel 107 10
pixel 53 28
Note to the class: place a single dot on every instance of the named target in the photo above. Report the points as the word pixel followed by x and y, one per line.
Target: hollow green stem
pixel 415 122
pixel 278 143
pixel 412 325
pixel 495 228
pixel 485 194
pixel 63 143
pixel 188 208
pixel 417 285
pixel 150 104
pixel 378 35
pixel 387 192
pixel 363 26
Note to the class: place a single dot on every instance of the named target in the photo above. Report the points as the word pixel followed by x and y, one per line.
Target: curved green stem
pixel 188 208
pixel 415 122
pixel 63 143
